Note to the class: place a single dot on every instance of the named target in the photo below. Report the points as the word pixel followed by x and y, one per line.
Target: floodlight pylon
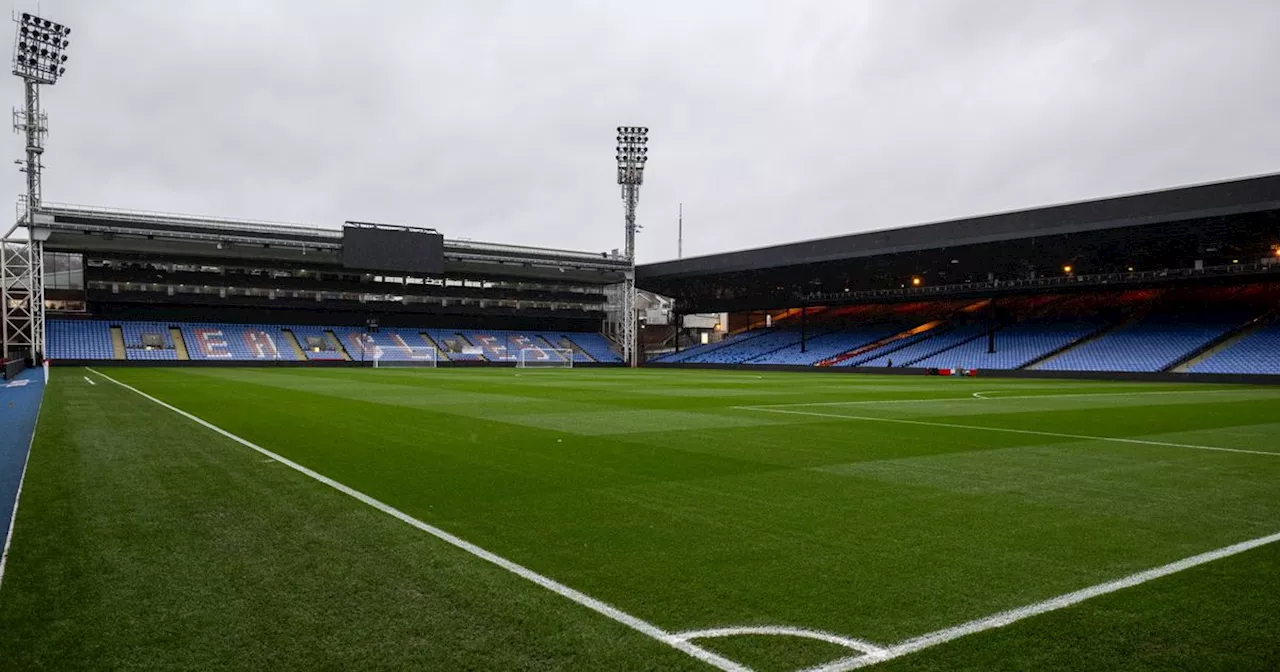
pixel 632 155
pixel 39 59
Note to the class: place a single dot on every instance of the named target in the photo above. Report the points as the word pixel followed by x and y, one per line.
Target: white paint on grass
pixel 89 380
pixel 603 608
pixel 17 496
pixel 859 645
pixel 1004 618
pixel 1006 430
pixel 868 653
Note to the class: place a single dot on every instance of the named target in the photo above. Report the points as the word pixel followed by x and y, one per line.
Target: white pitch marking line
pixel 89 380
pixel 785 631
pixel 1053 604
pixel 975 396
pixel 1006 430
pixel 598 606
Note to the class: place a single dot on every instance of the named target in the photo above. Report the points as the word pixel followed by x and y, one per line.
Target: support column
pixel 991 326
pixel 804 310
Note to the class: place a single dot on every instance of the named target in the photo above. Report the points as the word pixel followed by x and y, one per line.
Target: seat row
pixel 93 340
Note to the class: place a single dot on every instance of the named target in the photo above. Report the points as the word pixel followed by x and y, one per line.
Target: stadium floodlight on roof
pixel 39 58
pixel 632 155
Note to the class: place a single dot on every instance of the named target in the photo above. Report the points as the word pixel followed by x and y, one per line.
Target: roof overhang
pixel 1248 195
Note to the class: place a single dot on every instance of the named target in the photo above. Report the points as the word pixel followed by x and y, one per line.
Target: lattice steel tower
pixel 632 155
pixel 39 58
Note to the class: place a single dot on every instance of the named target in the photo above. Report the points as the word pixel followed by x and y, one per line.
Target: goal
pixel 545 358
pixel 404 356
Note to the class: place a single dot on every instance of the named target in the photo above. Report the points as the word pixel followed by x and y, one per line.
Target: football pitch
pixel 612 519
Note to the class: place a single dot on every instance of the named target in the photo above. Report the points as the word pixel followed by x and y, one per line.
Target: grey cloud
pixel 771 121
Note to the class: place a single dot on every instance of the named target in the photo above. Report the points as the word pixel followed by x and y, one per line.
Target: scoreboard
pixel 399 249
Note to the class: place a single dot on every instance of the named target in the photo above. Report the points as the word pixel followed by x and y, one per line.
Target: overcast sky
pixel 771 121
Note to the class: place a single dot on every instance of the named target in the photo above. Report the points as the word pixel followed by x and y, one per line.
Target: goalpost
pixel 426 356
pixel 545 358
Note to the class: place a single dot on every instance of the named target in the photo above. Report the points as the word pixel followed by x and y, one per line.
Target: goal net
pixel 404 356
pixel 545 358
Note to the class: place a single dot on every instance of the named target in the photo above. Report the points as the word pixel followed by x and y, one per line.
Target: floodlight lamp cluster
pixel 39 50
pixel 632 154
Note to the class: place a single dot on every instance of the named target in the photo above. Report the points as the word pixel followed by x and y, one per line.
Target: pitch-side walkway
pixel 19 404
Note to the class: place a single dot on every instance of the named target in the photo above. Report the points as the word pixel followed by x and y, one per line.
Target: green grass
pixel 145 541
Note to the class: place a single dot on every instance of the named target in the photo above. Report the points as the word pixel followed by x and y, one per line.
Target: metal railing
pixel 1083 280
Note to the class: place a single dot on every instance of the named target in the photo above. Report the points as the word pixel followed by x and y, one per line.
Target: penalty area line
pixel 1006 430
pixel 598 606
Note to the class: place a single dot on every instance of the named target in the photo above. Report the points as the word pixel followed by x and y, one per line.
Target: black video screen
pixel 370 249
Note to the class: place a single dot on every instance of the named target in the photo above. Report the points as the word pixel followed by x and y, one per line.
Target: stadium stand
pixel 1016 345
pixel 79 339
pixel 826 346
pixel 1147 344
pixel 236 342
pixel 1256 352
pixel 931 343
pixel 761 342
pixel 148 341
pixel 456 346
pixel 315 343
pixel 91 339
pixel 689 354
pixel 396 345
pixel 595 347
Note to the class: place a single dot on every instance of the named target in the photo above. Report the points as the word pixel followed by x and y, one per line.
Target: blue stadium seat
pixel 826 346
pixel 1258 352
pixel 135 348
pixel 78 339
pixel 1016 345
pixel 315 343
pixel 1149 344
pixel 236 342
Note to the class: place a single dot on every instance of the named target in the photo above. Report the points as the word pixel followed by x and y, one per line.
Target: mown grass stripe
pixel 603 608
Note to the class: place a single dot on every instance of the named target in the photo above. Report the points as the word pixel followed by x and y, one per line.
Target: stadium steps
pixel 179 344
pixel 440 352
pixel 903 339
pixel 578 348
pixel 337 344
pixel 1035 365
pixel 1223 342
pixel 117 343
pixel 565 341
pixel 294 345
pixel 470 343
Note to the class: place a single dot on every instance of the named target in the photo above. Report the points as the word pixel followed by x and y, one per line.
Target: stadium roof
pixel 78 228
pixel 1150 222
pixel 1252 194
